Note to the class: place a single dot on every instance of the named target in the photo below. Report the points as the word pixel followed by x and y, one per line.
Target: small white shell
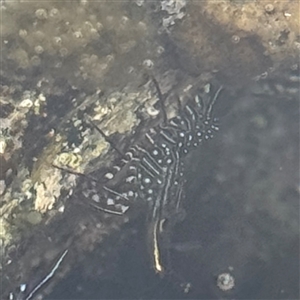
pixel 148 63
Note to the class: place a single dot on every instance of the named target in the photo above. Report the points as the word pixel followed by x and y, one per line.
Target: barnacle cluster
pixel 175 10
pixel 78 42
pixel 276 23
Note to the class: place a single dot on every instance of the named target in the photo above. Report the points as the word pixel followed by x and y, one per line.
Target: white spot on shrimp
pixel 130 193
pixel 130 179
pixel 147 180
pixel 110 201
pixel 109 175
pixel 155 152
pixel 124 208
pixel 23 287
pixel 150 191
pixel 129 154
pixel 96 198
pixel 207 88
pixel 85 194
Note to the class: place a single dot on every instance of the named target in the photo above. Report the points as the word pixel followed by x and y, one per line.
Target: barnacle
pixel 225 282
pixel 41 14
pixel 269 8
pixel 235 39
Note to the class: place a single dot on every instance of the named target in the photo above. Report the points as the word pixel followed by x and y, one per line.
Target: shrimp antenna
pixel 161 99
pixel 107 138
